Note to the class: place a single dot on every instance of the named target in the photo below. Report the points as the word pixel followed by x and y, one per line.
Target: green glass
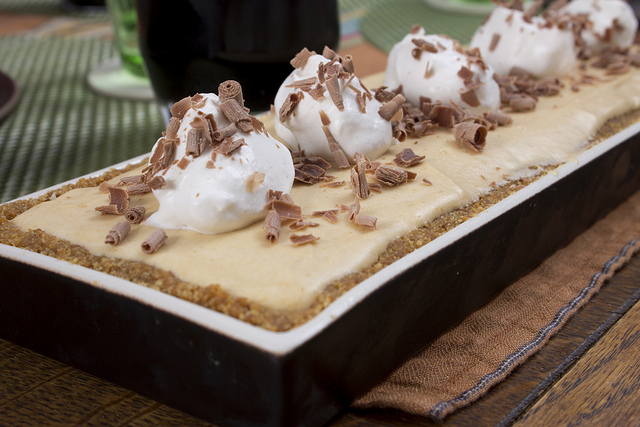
pixel 124 17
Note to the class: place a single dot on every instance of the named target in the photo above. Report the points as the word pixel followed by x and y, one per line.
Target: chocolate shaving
pixel 118 201
pixel 172 129
pixel 103 187
pixel 236 115
pixel 309 173
pixel 299 225
pixel 366 221
pixel 154 241
pixel 472 135
pixel 407 158
pixel 442 115
pixel 494 42
pixel 138 189
pixel 289 105
pixel 471 98
pixel 329 215
pixel 108 209
pixel 231 89
pixel 300 60
pixel 338 154
pixel 129 180
pixel 391 175
pixel 359 183
pixel 324 118
pixel 301 239
pixel 375 187
pixel 383 95
pixel 353 209
pixel 425 45
pixel 183 163
pixel 272 226
pixel 254 181
pixel 156 183
pixel 522 104
pixel 317 92
pixel 283 204
pixel 117 233
pixel 135 215
pixel 532 10
pixel 333 86
pixel 179 109
pixel 328 53
pixel 229 145
pixel 194 147
pixel 498 118
pixel 305 84
pixel 389 109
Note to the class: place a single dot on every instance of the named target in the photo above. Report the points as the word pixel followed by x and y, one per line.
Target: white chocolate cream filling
pixel 285 276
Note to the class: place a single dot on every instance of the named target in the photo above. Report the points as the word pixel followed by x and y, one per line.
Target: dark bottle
pixel 191 46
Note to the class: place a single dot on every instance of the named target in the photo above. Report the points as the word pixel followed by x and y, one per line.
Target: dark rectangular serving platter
pixel 231 373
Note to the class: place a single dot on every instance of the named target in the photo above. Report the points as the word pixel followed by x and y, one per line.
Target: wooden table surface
pixel 588 373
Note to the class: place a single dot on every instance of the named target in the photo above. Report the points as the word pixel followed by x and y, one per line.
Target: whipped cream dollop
pixel 322 99
pixel 436 67
pixel 217 179
pixel 510 38
pixel 610 23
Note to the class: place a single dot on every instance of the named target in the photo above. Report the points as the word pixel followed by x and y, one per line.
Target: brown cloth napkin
pixel 464 363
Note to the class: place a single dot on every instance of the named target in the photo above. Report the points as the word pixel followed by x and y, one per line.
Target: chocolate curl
pixel 338 154
pixel 389 109
pixel 135 215
pixel 347 64
pixel 117 233
pixel 272 226
pixel 118 201
pixel 231 89
pixel 472 135
pixel 154 241
pixel 220 134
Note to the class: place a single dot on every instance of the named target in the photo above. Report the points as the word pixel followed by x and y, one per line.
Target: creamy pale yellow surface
pixel 282 275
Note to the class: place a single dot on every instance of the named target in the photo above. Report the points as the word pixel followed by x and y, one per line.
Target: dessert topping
pixel 392 175
pixel 472 135
pixel 302 239
pixel 272 225
pixel 407 158
pixel 118 201
pixel 117 233
pixel 135 214
pixel 154 241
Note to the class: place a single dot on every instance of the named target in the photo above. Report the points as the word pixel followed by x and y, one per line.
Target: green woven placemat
pixel 61 129
pixel 389 21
